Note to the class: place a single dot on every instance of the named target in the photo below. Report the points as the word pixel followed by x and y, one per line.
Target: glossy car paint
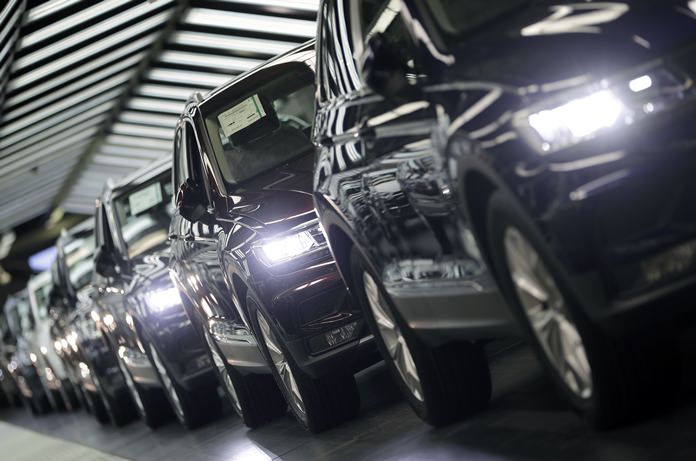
pixel 129 321
pixel 305 297
pixel 631 188
pixel 381 184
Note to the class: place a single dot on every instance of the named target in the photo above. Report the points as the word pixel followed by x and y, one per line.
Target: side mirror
pixel 384 70
pixel 190 201
pixel 105 264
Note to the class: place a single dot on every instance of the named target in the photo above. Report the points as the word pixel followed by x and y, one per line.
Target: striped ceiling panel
pixel 92 89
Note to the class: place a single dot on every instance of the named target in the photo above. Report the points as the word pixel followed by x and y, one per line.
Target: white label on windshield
pixel 241 116
pixel 145 198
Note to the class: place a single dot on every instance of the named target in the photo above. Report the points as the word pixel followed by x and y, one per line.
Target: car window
pixel 78 260
pixel 144 213
pixel 454 17
pixel 255 131
pixel 338 70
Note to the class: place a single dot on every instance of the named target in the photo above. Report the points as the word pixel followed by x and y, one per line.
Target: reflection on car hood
pixel 555 41
pixel 278 199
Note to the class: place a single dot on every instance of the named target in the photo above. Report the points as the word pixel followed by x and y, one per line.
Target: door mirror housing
pixel 191 201
pixel 105 264
pixel 384 71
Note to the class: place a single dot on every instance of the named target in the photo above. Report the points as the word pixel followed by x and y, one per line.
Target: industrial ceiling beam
pixel 154 51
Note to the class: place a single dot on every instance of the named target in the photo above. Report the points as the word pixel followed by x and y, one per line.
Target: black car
pixel 562 132
pixel 70 308
pixel 152 340
pixel 20 360
pixel 250 255
pixel 389 211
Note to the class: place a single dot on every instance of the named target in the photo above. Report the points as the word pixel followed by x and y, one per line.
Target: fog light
pixel 333 338
pixel 675 261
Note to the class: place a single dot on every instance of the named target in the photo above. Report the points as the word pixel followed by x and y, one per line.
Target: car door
pixel 195 244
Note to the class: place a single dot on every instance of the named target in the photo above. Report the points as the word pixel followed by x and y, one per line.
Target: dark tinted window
pixel 456 17
pixel 281 104
pixel 144 213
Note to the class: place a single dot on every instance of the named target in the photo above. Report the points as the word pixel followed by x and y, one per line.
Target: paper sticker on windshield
pixel 145 198
pixel 241 116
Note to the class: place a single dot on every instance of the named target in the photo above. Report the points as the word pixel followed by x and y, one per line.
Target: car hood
pixel 552 42
pixel 150 268
pixel 278 199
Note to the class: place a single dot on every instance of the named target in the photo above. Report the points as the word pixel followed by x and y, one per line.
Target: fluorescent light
pixel 65 116
pixel 155 105
pixel 66 103
pixel 228 63
pixel 251 22
pixel 61 25
pixel 116 150
pixel 79 71
pixel 231 43
pixel 131 162
pixel 145 118
pixel 84 35
pixel 121 140
pixel 79 84
pixel 89 51
pixel 304 5
pixel 11 144
pixel 640 84
pixel 165 91
pixel 144 131
pixel 204 79
pixel 47 9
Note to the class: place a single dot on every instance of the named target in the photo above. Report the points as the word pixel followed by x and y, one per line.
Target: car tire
pixel 193 408
pixel 116 409
pixel 96 407
pixel 442 384
pixel 254 397
pixel 626 378
pixel 317 403
pixel 151 404
pixel 39 405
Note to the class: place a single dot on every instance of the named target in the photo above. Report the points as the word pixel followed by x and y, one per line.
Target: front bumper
pixel 449 310
pixel 625 234
pixel 319 325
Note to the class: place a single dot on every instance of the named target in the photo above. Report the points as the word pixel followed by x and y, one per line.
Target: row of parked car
pixel 425 177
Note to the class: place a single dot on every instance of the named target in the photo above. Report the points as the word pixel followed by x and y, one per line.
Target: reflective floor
pixel 524 421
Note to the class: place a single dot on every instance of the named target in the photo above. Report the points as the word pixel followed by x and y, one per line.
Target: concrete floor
pixel 524 421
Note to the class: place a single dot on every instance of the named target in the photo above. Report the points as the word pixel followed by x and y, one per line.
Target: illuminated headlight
pixel 582 115
pixel 163 299
pixel 33 357
pixel 284 248
pixel 576 120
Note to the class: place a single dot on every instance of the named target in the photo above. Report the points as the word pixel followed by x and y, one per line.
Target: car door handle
pixel 189 237
pixel 171 237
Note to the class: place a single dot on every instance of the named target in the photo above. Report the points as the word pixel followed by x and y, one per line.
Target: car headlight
pixel 162 299
pixel 290 246
pixel 583 114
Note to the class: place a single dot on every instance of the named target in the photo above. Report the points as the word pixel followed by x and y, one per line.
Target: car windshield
pixel 143 214
pixel 41 296
pixel 78 260
pixel 255 131
pixel 455 17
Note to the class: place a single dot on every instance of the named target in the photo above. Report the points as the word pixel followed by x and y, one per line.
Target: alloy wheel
pixel 168 385
pixel 393 338
pixel 130 384
pixel 547 311
pixel 221 366
pixel 283 367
